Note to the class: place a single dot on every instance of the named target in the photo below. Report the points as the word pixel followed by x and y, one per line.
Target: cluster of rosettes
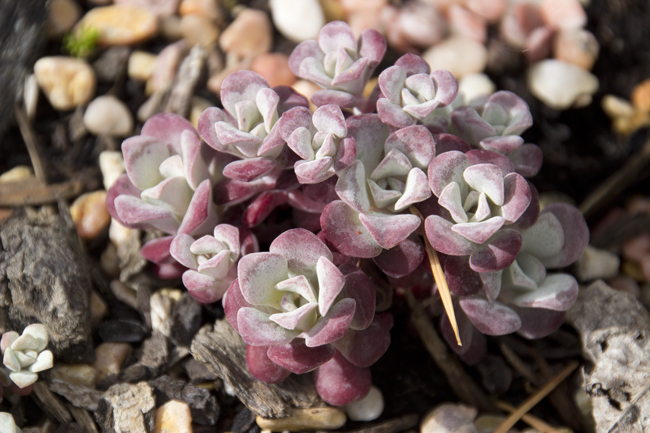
pixel 358 171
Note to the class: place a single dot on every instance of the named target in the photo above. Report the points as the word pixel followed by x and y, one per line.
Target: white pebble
pixel 561 85
pixel 107 115
pixel 367 409
pixel 595 263
pixel 473 85
pixel 66 81
pixel 141 65
pixel 111 164
pixel 298 21
pixel 459 55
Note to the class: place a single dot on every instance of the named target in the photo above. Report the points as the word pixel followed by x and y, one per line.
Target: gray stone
pixel 126 408
pixel 186 320
pixel 152 358
pixel 203 406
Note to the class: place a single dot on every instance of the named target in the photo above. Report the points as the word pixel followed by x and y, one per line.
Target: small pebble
pixel 120 24
pixel 637 248
pixel 632 269
pixel 464 22
pixel 449 418
pixel 18 173
pixel 420 24
pixel 520 20
pixel 208 8
pixel 66 81
pixel 561 85
pixel 111 164
pixel 351 6
pixel 645 295
pixel 645 267
pixel 107 115
pixel 274 67
pixel 199 29
pixel 7 423
pixel 596 263
pixel 615 107
pixel 491 10
pixel 577 46
pixel 360 21
pixel 323 418
pixel 98 307
pixel 197 106
pixel 173 417
pixel 122 330
pixel 62 16
pixel 538 44
pixel 109 359
pixel 30 95
pixel 623 283
pixel 159 8
pixel 367 409
pixel 161 304
pixel 75 374
pixel 641 96
pixel 124 293
pixel 249 35
pixel 488 423
pixel 90 215
pixel 297 21
pixel 459 55
pixel 119 234
pixel 563 14
pixel 141 65
pixel 474 85
pixel 170 28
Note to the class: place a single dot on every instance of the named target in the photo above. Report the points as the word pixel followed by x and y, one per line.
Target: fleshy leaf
pixel 351 187
pixel 247 170
pixel 538 323
pixel 302 250
pixel 447 168
pixel 402 259
pixel 364 347
pixel 491 318
pixel 558 292
pixel 298 319
pixel 262 368
pixel 479 232
pixel 443 239
pixel 330 282
pixel 332 326
pixel 486 178
pixel 180 250
pixel 517 197
pixel 576 234
pixel 346 233
pixel 257 329
pixel 340 382
pixel 142 158
pixel 461 279
pixel 416 142
pixel 233 301
pixel 298 358
pixel 258 275
pixel 359 287
pixel 388 230
pixel 498 253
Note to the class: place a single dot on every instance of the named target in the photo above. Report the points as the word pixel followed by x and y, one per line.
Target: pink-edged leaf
pixel 393 114
pixel 258 274
pixel 388 230
pixel 315 171
pixel 446 86
pixel 443 239
pixel 527 159
pixel 233 301
pixel 256 329
pixel 352 79
pixel 304 50
pixel 336 34
pixel 201 215
pixel 351 187
pixel 122 186
pixel 363 348
pixel 340 382
pixel 323 192
pixel 491 284
pixel 241 86
pixel 227 234
pixel 262 368
pixel 262 206
pixel 247 170
pixel 180 250
pixel 301 318
pixel 217 266
pixel 298 117
pixel 157 250
pixel 346 233
pixel 517 197
pixel 480 156
pixel 300 142
pixel 289 99
pixel 168 129
pixel 416 142
pixel 168 269
pixel 233 192
pixel 333 97
pixel 298 358
pixel 369 134
pixel 302 250
pixel 491 318
pixel 136 213
pixel 530 216
pixel 394 164
pixel 479 232
pixel 206 123
pixel 373 46
pixel 527 272
pixel 421 111
pixel 413 64
pixel 142 158
pixel 332 326
pixel 345 154
pixel 204 289
pixel 173 193
pixel 576 234
pixel 391 81
pixel 537 322
pixel 299 200
pixel 557 292
pixel 448 142
pixel 246 143
pixel 299 285
pixel 359 286
pixel 486 178
pixel 471 126
pixel 446 168
pixel 461 279
pixel 502 144
pixel 196 157
pixel 329 118
pixel 330 283
pixel 518 117
pixel 415 191
pixel 450 199
pixel 498 253
pixel 544 239
pixel 402 259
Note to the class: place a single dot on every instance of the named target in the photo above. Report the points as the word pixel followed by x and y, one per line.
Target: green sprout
pixel 82 42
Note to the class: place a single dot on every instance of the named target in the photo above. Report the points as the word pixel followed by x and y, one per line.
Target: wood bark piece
pixel 615 331
pixel 80 396
pixel 84 419
pixel 185 81
pixel 50 403
pixel 224 352
pixel 126 408
pixel 32 193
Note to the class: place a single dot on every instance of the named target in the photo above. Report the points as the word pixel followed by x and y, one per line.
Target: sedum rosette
pixel 25 355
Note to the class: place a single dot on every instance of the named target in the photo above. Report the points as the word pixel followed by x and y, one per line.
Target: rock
pixel 127 408
pixel 75 374
pixel 351 6
pixel 459 55
pixel 563 14
pixel 613 327
pixel 466 23
pixel 475 85
pixel 90 215
pixel 576 46
pixel 297 21
pixel 274 67
pixel 122 330
pixel 110 357
pixel 199 29
pixel 120 24
pixel 185 82
pixel 66 81
pixel 162 303
pixel 141 65
pixel 107 115
pixel 322 418
pixel 124 293
pixel 7 423
pixel 623 283
pixel 62 16
pixel 641 96
pixel 491 10
pixel 637 248
pixel 616 107
pixel 166 64
pixel 203 406
pixel 170 28
pixel 449 418
pixel 249 35
pixel 111 164
pixel 538 44
pixel 45 278
pixel 561 85
pixel 111 63
pixel 152 358
pixel 596 264
pixel 186 320
pixel 360 21
pixel 367 409
pixel 80 396
pixel 98 307
pixel 198 372
pixel 173 417
pixel 208 8
pixel 159 8
pixel 18 173
pixel 488 423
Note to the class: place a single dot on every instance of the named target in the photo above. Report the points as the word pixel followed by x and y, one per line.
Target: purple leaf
pixel 332 326
pixel 502 144
pixel 557 292
pixel 301 318
pixel 545 239
pixel 530 216
pixel 576 234
pixel 446 86
pixel 232 302
pixel 241 86
pixel 413 64
pixel 262 368
pixel 527 159
pixel 345 154
pixel 393 114
pixel 363 348
pixel 372 45
pixel 258 275
pixel 359 287
pixel 517 197
pixel 443 239
pixel 351 187
pixel 479 232
pixel 142 158
pixel 315 171
pixel 486 178
pixel 369 134
pixel 135 213
pixel 518 117
pixel 180 250
pixel 388 230
pixel 448 142
pixel 391 81
pixel 471 126
pixel 339 382
pixel 498 253
pixel 538 323
pixel 289 99
pixel 122 186
pixel 303 51
pixel 402 259
pixel 329 118
pixel 333 97
pixel 204 288
pixel 491 318
pixel 201 215
pixel 256 329
pixel 302 250
pixel 262 206
pixel 298 358
pixel 247 170
pixel 206 123
pixel 492 284
pixel 345 231
pixel 465 330
pixel 447 168
pixel 168 129
pixel 461 279
pixel 416 142
pixel 158 250
pixel 299 200
pixel 330 283
pixel 336 34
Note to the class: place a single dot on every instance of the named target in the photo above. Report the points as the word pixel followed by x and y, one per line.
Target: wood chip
pixel 80 396
pixel 33 193
pixel 50 403
pixel 84 419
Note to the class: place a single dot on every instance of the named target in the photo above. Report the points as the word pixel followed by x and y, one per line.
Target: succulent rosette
pixel 211 260
pixel 339 63
pixel 297 312
pixel 411 93
pixel 25 355
pixel 497 126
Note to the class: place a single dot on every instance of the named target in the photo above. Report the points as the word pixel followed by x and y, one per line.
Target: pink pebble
pixel 563 14
pixel 491 10
pixel 466 23
pixel 519 22
pixel 274 67
pixel 538 44
pixel 637 248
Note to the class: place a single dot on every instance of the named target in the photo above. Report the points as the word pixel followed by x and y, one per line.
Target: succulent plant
pixel 297 311
pixel 339 63
pixel 25 355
